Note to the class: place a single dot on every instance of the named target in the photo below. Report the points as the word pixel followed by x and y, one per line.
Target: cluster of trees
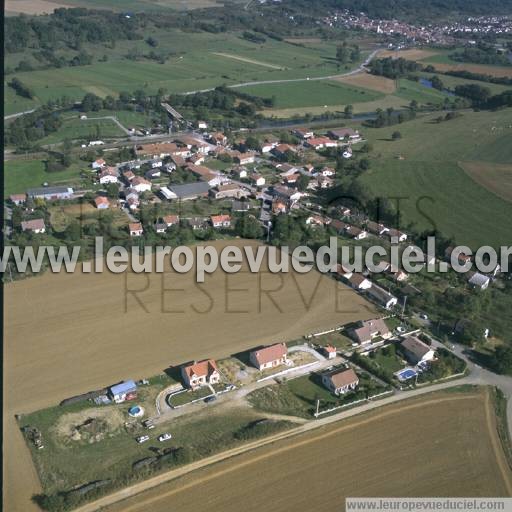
pixel 223 100
pixel 253 38
pixel 390 117
pixel 27 129
pixel 502 80
pixel 393 68
pixel 70 28
pixel 481 54
pixel 481 96
pixel 346 54
pixel 21 89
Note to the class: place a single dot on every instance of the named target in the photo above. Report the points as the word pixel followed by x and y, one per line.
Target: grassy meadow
pixel 436 191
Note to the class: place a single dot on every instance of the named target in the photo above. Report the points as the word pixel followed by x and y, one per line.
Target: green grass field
pixel 200 60
pixel 312 93
pixel 435 190
pixel 22 174
pixel 410 90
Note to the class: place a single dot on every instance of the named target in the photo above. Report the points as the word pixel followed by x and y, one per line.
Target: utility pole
pixel 403 307
pixel 269 226
pixel 317 407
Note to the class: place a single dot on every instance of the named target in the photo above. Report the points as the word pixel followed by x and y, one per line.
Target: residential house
pixel 200 373
pixel 123 391
pixel 330 352
pixel 356 233
pixel 135 228
pixel 140 184
pixel 197 159
pixel 382 297
pixel 344 134
pixel 153 174
pixel 201 125
pixel 205 174
pixel 359 282
pixel 18 199
pixel 327 171
pixel 478 280
pixel 324 182
pixel 218 138
pixel 396 235
pixel 128 176
pixel 376 228
pixel 269 357
pixel 303 133
pixel 267 146
pixel 34 226
pixel 340 381
pixel 416 351
pixel 228 190
pixel 368 330
pixel 221 221
pixel 243 158
pixel 197 223
pixel 281 149
pixel 239 172
pixel 102 203
pixel 315 220
pixel 160 227
pixel 108 175
pixel 171 220
pixel 339 226
pixel 98 164
pixel 240 206
pixel 321 143
pixel 257 179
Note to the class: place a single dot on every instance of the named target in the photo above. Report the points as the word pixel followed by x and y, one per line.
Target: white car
pixel 423 316
pixel 142 439
pixel 164 437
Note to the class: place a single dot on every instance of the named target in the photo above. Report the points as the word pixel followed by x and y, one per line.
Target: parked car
pixel 209 399
pixel 142 439
pixel 147 424
pixel 164 437
pixel 423 316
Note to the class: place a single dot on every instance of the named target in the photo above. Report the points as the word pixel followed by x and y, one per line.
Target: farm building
pixel 269 357
pixel 200 373
pixel 126 390
pixel 416 351
pixel 359 282
pixel 340 381
pixel 188 190
pixel 50 193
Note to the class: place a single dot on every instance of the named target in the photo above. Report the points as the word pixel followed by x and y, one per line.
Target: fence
pixel 355 402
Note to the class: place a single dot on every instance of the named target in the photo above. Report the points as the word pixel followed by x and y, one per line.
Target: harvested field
pixel 497 178
pixel 69 333
pixel 31 6
pixel 377 445
pixel 412 54
pixel 475 68
pixel 249 61
pixel 303 40
pixel 372 82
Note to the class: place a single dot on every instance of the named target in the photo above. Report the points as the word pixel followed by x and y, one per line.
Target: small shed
pixel 126 390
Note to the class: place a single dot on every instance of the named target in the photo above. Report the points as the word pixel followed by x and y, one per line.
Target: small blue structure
pixel 126 390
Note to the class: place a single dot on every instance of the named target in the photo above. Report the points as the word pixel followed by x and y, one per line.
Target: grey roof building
pixel 51 192
pixel 190 190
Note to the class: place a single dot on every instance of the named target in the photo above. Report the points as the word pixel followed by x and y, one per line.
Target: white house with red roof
pixel 200 373
pixel 269 357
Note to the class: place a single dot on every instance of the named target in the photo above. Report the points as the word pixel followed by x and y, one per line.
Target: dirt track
pixel 66 334
pixel 444 426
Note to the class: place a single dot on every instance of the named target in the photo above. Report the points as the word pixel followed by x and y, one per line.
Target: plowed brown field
pixel 70 333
